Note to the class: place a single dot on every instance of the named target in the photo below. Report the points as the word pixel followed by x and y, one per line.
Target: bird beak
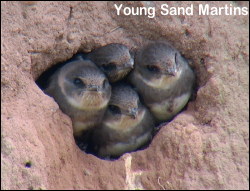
pixel 172 72
pixel 130 64
pixel 133 113
pixel 94 88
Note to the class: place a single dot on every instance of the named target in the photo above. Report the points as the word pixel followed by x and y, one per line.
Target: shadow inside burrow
pixel 83 141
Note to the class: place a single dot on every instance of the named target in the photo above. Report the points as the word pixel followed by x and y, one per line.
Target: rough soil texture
pixel 204 147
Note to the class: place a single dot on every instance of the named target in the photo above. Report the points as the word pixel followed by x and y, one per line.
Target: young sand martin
pixel 163 78
pixel 113 59
pixel 82 91
pixel 127 124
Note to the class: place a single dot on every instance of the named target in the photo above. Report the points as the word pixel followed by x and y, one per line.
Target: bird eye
pixel 78 82
pixel 114 109
pixel 153 68
pixel 105 83
pixel 109 67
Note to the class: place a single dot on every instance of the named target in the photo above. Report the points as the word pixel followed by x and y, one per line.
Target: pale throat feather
pixel 164 82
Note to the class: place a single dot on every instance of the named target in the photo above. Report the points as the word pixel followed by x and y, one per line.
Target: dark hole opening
pixel 82 143
pixel 187 33
pixel 43 79
pixel 28 164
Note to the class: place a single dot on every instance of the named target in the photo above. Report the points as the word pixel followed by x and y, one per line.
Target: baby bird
pixel 114 60
pixel 163 78
pixel 127 124
pixel 82 91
